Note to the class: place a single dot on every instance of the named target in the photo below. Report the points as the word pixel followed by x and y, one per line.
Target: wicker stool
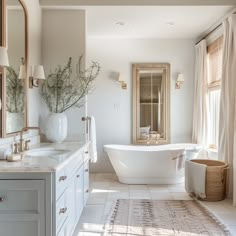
pixel 216 179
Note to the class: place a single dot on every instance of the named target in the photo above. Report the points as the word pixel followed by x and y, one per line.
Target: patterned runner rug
pixel 154 217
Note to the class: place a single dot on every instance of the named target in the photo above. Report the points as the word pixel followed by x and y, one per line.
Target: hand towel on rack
pixel 195 179
pixel 93 141
pixel 4 152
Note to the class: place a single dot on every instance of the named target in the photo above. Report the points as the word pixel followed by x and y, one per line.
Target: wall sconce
pixel 122 81
pixel 3 57
pixel 37 76
pixel 22 72
pixel 179 81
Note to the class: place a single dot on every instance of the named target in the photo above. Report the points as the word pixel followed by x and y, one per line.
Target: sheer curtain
pixel 227 128
pixel 200 109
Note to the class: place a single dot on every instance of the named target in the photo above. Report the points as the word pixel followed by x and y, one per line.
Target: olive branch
pixel 61 92
pixel 15 93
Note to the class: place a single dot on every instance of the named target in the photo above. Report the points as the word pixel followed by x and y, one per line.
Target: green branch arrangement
pixel 61 92
pixel 15 92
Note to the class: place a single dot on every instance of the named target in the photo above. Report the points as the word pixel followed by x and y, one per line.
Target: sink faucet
pixel 24 145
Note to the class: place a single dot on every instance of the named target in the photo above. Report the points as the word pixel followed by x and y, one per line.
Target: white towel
pixel 178 155
pixel 93 141
pixel 4 152
pixel 195 178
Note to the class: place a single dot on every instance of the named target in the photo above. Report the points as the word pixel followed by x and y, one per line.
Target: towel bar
pixel 86 118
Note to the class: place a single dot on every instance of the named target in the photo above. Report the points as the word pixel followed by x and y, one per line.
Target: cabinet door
pixel 22 207
pixel 86 181
pixel 79 205
pixel 71 200
pixel 74 200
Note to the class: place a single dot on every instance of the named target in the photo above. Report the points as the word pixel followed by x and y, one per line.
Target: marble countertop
pixel 51 163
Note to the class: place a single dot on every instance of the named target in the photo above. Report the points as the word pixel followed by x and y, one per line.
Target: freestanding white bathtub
pixel 162 164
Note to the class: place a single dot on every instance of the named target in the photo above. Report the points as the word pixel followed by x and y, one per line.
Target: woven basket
pixel 216 179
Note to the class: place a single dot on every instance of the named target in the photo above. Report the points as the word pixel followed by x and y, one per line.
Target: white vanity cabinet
pixel 86 181
pixel 22 204
pixel 48 203
pixel 70 204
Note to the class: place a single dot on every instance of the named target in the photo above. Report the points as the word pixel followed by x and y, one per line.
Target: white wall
pixel 63 37
pixel 34 47
pixel 35 55
pixel 112 106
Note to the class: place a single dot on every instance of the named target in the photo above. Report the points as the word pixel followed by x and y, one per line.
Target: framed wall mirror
pixel 151 103
pixel 15 83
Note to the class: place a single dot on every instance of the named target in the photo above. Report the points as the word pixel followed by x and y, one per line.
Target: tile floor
pixel 104 188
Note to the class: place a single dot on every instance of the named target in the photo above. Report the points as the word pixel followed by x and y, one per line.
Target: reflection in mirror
pixel 1 69
pixel 151 107
pixel 151 103
pixel 15 73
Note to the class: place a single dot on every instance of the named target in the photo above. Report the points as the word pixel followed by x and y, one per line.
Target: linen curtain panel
pixel 227 123
pixel 200 112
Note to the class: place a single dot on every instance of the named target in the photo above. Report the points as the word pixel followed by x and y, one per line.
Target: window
pixel 215 53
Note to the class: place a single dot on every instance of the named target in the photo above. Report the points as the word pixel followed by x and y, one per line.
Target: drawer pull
pixel 1 199
pixel 86 170
pixel 63 210
pixel 86 152
pixel 62 178
pixel 77 176
pixel 87 191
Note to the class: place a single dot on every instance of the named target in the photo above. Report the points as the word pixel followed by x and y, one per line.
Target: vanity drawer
pixel 86 153
pixel 73 166
pixel 61 211
pixel 64 175
pixel 63 231
pixel 62 180
pixel 21 196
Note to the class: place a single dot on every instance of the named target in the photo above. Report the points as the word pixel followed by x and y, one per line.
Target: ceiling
pixel 188 22
pixel 136 2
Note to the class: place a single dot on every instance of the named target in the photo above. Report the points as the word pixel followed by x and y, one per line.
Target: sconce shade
pixel 120 78
pixel 179 81
pixel 22 73
pixel 180 78
pixel 122 81
pixel 3 57
pixel 38 72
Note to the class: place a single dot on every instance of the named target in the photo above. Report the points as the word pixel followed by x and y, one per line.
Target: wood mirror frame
pixel 162 73
pixel 2 30
pixel 3 80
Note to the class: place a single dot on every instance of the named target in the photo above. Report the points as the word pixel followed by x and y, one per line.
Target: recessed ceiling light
pixel 171 23
pixel 120 23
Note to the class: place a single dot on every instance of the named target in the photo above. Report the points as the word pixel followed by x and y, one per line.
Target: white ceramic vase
pixel 56 127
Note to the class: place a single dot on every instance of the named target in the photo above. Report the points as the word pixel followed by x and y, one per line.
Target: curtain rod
pixel 217 27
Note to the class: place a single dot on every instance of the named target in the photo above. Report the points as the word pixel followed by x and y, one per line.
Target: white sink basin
pixel 46 152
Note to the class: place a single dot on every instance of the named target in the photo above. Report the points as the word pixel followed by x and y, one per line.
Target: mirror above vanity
pixel 14 87
pixel 151 103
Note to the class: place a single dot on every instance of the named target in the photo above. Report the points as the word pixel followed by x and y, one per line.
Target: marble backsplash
pixel 31 135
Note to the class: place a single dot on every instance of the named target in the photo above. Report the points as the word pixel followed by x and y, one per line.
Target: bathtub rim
pixel 153 148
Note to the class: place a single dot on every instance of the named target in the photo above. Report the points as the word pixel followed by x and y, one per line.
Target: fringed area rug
pixel 154 217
